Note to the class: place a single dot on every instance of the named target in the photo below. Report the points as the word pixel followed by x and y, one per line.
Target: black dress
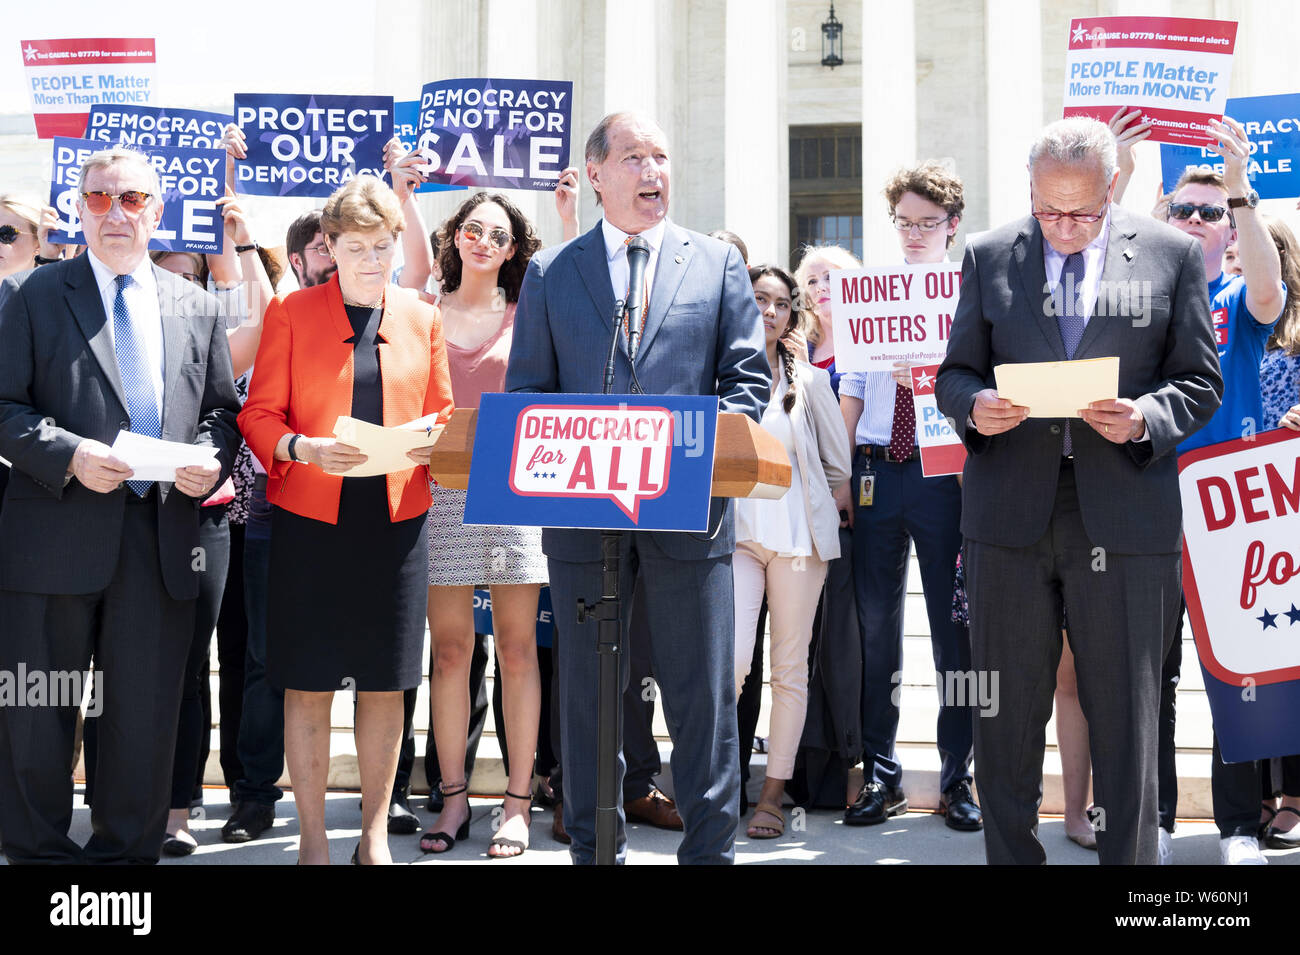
pixel 347 600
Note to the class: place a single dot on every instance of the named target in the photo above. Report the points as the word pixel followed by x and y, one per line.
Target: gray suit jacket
pixel 59 383
pixel 1153 312
pixel 703 336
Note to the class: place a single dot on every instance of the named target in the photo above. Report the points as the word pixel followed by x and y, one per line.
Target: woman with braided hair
pixel 782 546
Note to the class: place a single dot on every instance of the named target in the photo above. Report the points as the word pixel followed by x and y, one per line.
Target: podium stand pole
pixel 609 696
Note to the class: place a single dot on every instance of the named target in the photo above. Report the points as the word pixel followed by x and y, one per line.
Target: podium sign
pixel 622 462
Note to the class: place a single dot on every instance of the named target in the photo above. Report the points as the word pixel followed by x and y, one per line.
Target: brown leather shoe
pixel 557 825
pixel 654 809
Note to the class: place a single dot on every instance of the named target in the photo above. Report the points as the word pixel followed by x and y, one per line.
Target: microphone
pixel 638 254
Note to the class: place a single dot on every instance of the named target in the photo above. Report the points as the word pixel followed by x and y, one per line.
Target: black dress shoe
pixel 435 800
pixel 874 805
pixel 249 820
pixel 958 808
pixel 401 821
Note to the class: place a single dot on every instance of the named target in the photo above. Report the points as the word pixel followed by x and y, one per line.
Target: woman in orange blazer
pixel 348 555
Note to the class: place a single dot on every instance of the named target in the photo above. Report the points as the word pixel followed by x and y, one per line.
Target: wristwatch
pixel 292 442
pixel 1250 200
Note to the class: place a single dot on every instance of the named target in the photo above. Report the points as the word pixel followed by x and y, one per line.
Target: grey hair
pixel 124 154
pixel 597 148
pixel 1076 140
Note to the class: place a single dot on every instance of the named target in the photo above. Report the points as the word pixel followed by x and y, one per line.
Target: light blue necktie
pixel 1068 299
pixel 141 402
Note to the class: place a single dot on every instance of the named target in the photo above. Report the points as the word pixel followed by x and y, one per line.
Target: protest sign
pixel 496 133
pixel 1241 522
pixel 941 449
pixel 406 121
pixel 67 77
pixel 156 126
pixel 897 313
pixel 303 145
pixel 545 616
pixel 1175 70
pixel 192 182
pixel 1273 125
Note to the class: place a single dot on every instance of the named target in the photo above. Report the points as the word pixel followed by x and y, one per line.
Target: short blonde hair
pixel 363 205
pixel 836 258
pixel 25 208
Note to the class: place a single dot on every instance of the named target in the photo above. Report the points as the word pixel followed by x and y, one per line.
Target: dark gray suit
pixel 1099 536
pixel 85 574
pixel 703 336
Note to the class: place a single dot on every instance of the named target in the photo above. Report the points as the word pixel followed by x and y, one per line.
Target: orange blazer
pixel 302 382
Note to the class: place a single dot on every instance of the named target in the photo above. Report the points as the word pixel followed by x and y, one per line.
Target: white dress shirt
pixel 616 256
pixel 142 302
pixel 1094 260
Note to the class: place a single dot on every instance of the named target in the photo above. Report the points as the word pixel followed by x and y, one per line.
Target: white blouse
pixel 780 525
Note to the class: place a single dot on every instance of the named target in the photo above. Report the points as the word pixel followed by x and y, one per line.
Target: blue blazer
pixel 703 336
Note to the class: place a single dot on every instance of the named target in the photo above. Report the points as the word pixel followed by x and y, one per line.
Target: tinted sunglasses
pixel 473 231
pixel 98 203
pixel 9 235
pixel 1184 210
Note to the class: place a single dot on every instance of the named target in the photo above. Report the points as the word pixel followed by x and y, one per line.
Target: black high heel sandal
pixel 448 841
pixel 512 843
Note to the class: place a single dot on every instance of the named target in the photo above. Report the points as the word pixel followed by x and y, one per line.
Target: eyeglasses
pixel 9 235
pixel 320 250
pixel 1076 216
pixel 1184 210
pixel 925 226
pixel 474 231
pixel 190 277
pixel 98 203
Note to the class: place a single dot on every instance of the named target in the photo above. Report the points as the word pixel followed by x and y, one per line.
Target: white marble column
pixel 512 42
pixel 756 166
pixel 888 114
pixel 1013 78
pixel 632 55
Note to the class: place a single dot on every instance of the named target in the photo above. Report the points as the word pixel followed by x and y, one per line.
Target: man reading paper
pixel 1076 514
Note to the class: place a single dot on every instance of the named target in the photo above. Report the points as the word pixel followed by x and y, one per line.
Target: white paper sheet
pixel 155 460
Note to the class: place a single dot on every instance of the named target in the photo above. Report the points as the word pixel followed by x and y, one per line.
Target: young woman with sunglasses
pixel 23 227
pixel 484 250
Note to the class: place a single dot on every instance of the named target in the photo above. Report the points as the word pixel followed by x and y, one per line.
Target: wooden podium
pixel 747 461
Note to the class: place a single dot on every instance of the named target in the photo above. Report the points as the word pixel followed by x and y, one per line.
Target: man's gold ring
pixel 1107 427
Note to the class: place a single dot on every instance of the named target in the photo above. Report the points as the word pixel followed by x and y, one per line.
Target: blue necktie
pixel 1068 299
pixel 141 402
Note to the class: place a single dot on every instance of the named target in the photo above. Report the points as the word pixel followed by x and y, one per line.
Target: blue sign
pixel 545 618
pixel 626 462
pixel 406 117
pixel 495 133
pixel 301 145
pixel 155 126
pixel 1273 125
pixel 192 182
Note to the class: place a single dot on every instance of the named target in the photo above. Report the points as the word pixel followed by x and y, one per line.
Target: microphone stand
pixel 607 612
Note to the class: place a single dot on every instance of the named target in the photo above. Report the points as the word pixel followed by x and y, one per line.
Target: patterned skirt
pixel 473 555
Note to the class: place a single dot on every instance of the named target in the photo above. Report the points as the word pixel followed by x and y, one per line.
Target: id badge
pixel 866 490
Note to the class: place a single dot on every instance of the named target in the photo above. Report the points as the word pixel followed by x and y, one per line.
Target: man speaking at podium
pixel 702 335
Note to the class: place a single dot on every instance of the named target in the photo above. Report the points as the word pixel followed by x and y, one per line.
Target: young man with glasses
pixel 1218 210
pixel 894 505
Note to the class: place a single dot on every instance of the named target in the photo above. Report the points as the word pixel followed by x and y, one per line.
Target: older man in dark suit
pixel 95 564
pixel 703 336
pixel 1077 515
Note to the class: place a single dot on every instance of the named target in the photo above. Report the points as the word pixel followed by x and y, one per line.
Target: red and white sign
pixel 1241 556
pixel 622 454
pixel 900 313
pixel 1175 70
pixel 66 77
pixel 941 449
